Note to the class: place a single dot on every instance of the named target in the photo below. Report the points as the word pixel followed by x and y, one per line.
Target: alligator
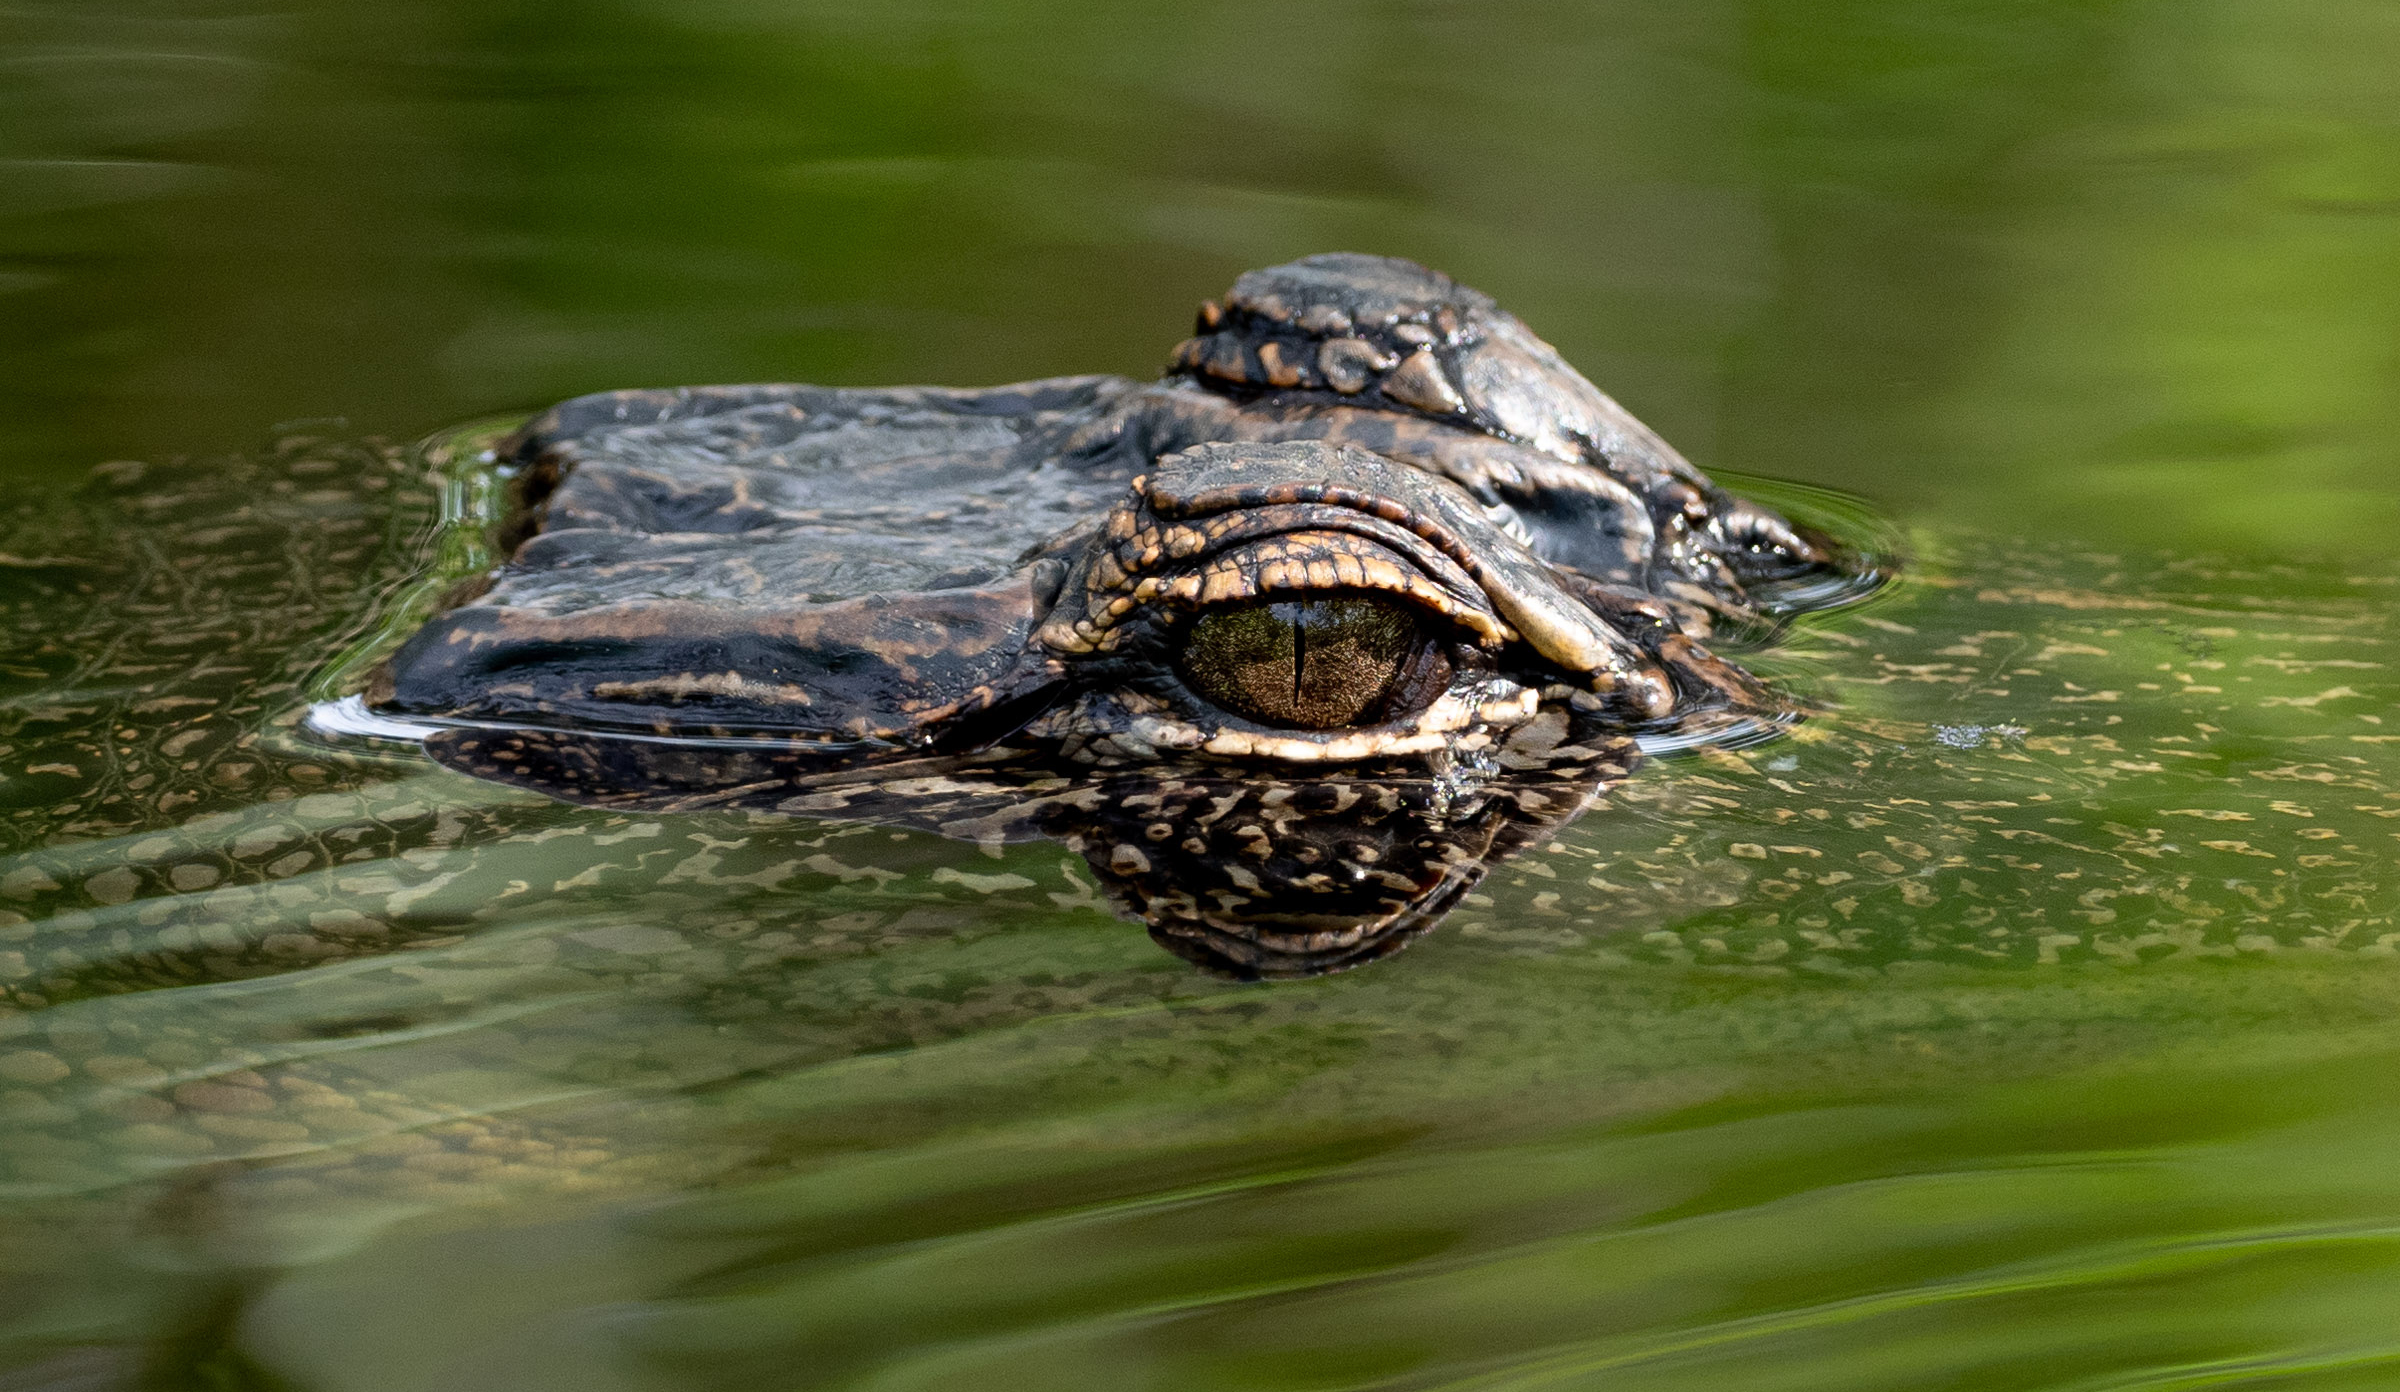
pixel 1369 590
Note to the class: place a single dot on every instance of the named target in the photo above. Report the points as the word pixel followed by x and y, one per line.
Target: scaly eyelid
pixel 1287 565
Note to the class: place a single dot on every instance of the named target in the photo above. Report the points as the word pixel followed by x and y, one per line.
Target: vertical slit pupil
pixel 1299 659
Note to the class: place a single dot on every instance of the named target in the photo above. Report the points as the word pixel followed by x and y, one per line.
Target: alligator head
pixel 1289 695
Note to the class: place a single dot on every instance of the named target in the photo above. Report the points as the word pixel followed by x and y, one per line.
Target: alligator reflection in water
pixel 1242 872
pixel 1371 589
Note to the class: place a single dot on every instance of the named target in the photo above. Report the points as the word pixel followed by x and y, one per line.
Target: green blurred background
pixel 2024 1021
pixel 2124 271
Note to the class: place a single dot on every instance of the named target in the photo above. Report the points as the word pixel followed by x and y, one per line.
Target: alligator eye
pixel 1310 664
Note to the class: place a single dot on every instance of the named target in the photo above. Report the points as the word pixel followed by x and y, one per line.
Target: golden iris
pixel 1309 664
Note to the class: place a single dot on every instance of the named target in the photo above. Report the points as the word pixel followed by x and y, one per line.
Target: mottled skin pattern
pixel 744 596
pixel 1411 365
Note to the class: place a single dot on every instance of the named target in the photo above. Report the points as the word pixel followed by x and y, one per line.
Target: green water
pixel 2023 1022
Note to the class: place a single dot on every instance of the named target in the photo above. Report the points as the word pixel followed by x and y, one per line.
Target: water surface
pixel 2022 1021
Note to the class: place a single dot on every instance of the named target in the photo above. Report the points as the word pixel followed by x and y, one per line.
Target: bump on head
pixel 1342 322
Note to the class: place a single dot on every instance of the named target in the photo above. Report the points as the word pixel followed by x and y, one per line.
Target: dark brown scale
pixel 1225 360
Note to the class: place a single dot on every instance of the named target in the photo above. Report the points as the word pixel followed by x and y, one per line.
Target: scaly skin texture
pixel 738 595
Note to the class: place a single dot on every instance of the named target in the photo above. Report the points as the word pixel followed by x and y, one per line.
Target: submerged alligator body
pixel 1371 589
